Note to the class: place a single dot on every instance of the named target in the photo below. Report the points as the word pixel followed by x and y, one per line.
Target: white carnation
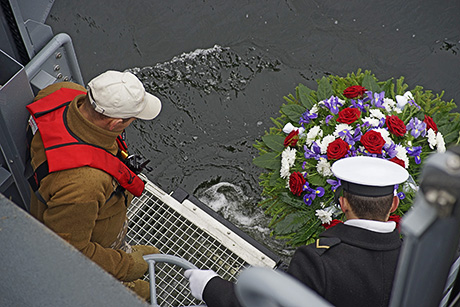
pixel 385 135
pixel 397 110
pixel 313 134
pixel 324 167
pixel 389 104
pixel 377 113
pixel 324 216
pixel 431 135
pixel 284 171
pixel 287 161
pixel 402 155
pixel 373 122
pixel 325 143
pixel 440 144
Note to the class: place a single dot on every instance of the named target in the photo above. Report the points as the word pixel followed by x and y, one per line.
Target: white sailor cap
pixel 369 176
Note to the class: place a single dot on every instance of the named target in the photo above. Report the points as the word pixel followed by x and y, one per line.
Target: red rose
pixel 337 149
pixel 395 125
pixel 373 141
pixel 348 115
pixel 331 224
pixel 430 124
pixel 354 91
pixel 395 218
pixel 398 161
pixel 292 138
pixel 296 182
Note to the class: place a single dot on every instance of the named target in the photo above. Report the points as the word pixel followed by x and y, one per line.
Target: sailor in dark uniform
pixel 352 263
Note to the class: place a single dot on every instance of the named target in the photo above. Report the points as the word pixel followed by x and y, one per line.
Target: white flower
pixel 324 167
pixel 313 134
pixel 342 127
pixel 431 135
pixel 325 143
pixel 377 113
pixel 324 216
pixel 389 104
pixel 288 128
pixel 402 155
pixel 287 161
pixel 403 100
pixel 373 122
pixel 284 171
pixel 385 135
pixel 440 142
pixel 397 110
pixel 314 109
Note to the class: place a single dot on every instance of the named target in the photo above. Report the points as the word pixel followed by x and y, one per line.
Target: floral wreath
pixel 356 115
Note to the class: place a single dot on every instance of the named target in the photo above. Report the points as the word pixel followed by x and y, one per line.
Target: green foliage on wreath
pixel 292 219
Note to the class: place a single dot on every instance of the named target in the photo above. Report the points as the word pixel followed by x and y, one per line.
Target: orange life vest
pixel 64 150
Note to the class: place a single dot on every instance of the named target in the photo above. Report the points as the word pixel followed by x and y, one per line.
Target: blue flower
pixel 416 127
pixel 306 117
pixel 319 192
pixel 308 198
pixel 401 195
pixel 390 150
pixel 334 184
pixel 376 99
pixel 333 104
pixel 415 152
pixel 315 153
pixel 360 104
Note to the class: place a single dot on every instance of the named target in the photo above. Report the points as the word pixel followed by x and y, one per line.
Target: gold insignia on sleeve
pixel 320 246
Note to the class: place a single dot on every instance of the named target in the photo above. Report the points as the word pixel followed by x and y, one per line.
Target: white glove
pixel 198 280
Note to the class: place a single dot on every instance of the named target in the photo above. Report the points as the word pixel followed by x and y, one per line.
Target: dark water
pixel 222 68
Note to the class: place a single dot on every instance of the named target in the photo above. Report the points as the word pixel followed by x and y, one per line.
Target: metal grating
pixel 158 219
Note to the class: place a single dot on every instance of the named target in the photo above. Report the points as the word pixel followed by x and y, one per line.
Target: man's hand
pixel 140 287
pixel 145 249
pixel 139 266
pixel 198 280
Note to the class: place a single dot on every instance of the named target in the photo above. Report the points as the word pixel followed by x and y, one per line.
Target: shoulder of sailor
pixel 324 244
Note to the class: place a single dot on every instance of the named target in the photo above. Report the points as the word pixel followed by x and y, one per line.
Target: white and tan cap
pixel 122 95
pixel 369 176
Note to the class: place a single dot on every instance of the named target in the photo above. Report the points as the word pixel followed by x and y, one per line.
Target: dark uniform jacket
pixel 348 266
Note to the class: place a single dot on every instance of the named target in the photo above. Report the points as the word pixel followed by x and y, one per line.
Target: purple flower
pixel 306 187
pixel 308 198
pixel 333 104
pixel 314 153
pixel 401 195
pixel 334 184
pixel 413 103
pixel 416 127
pixel 376 99
pixel 306 117
pixel 390 150
pixel 415 152
pixel 360 104
pixel 319 192
pixel 328 118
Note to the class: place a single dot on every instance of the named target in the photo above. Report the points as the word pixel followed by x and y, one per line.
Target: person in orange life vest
pixel 352 263
pixel 86 189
